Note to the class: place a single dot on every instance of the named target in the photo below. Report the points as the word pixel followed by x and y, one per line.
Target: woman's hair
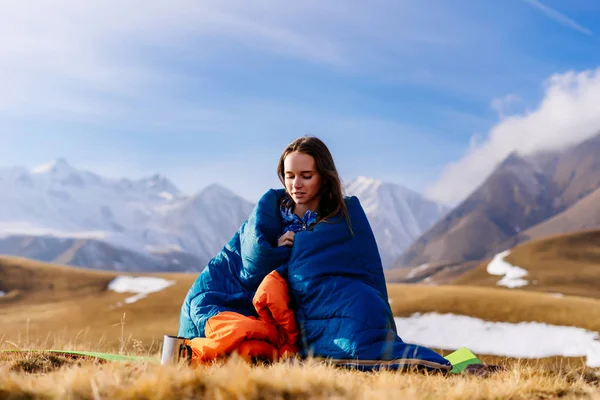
pixel 331 194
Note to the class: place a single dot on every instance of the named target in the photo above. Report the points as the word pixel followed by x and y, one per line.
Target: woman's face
pixel 302 181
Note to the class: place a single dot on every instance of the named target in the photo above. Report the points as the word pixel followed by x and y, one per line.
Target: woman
pixel 313 191
pixel 302 276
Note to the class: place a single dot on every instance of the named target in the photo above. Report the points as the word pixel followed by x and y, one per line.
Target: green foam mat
pixel 103 356
pixel 461 359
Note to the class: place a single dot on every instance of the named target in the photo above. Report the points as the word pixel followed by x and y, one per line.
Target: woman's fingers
pixel 289 236
pixel 286 242
pixel 287 239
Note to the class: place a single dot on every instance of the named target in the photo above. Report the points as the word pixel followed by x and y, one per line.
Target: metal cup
pixel 176 349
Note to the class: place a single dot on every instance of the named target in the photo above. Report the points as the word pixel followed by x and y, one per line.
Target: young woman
pixel 313 190
pixel 302 276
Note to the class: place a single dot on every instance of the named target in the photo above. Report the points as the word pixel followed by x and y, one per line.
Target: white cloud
pixel 559 17
pixel 69 56
pixel 96 58
pixel 567 114
pixel 102 62
pixel 505 105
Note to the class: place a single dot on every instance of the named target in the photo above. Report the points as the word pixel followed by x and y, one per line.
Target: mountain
pixel 522 192
pixel 584 215
pixel 58 213
pixel 429 274
pixel 512 198
pixel 577 177
pixel 397 215
pixel 204 223
pixel 95 253
pixel 575 172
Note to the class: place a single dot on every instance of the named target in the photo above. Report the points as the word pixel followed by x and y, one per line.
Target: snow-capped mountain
pixel 62 214
pixel 149 217
pixel 397 215
pixel 206 221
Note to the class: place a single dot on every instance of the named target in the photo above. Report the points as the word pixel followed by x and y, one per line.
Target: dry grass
pixel 76 312
pixel 567 264
pixel 238 380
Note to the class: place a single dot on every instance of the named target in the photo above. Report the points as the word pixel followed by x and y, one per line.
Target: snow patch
pixel 512 274
pixel 166 195
pixel 521 340
pixel 165 249
pixel 418 269
pixel 26 229
pixel 58 165
pixel 141 285
pixel 45 168
pixel 42 169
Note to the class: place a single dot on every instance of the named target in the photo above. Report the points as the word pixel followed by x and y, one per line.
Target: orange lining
pixel 271 336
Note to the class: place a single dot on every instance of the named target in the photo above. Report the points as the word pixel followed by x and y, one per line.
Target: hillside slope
pixel 582 216
pixel 54 306
pixel 567 264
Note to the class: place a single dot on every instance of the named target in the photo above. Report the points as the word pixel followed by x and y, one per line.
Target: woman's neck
pixel 301 209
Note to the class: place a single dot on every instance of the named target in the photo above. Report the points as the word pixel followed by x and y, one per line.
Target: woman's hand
pixel 287 239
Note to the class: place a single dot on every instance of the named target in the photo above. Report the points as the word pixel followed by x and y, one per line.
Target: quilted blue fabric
pixel 335 279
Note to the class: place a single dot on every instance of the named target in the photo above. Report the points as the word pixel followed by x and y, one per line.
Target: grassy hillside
pixel 68 307
pixel 57 306
pixel 32 282
pixel 567 264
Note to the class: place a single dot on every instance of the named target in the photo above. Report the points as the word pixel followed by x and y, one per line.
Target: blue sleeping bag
pixel 336 284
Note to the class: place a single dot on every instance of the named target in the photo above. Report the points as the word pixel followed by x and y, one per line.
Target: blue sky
pixel 428 94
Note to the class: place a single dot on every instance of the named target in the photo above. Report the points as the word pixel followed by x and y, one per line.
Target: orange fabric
pixel 271 336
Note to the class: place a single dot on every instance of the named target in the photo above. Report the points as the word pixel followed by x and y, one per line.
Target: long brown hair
pixel 331 197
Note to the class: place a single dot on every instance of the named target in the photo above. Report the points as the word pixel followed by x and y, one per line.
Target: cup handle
pixel 185 351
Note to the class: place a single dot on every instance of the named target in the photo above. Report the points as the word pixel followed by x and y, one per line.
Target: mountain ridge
pixel 522 192
pixel 151 216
